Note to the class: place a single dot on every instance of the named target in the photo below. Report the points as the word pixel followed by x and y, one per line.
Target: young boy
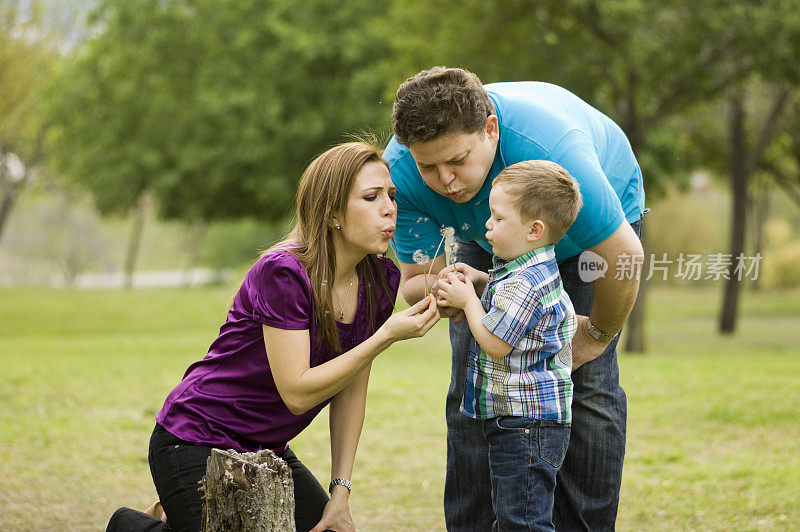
pixel 518 372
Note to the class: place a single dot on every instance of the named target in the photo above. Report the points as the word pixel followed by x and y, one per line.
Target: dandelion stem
pixel 434 258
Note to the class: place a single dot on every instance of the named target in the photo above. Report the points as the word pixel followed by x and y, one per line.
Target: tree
pixel 781 161
pixel 213 108
pixel 743 159
pixel 644 64
pixel 772 38
pixel 26 62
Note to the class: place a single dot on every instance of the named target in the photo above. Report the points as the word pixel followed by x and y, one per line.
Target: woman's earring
pixel 338 225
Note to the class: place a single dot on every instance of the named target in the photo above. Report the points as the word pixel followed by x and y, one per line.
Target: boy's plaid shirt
pixel 528 308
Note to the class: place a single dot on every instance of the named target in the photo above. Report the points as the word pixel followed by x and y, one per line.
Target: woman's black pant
pixel 177 466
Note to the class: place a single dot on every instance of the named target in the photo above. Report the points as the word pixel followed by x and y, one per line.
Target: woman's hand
pixel 414 321
pixel 336 515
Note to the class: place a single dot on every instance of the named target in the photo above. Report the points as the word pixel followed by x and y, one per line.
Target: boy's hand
pixel 451 268
pixel 476 277
pixel 456 290
pixel 456 315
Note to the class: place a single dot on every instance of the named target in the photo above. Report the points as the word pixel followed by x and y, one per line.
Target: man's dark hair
pixel 438 102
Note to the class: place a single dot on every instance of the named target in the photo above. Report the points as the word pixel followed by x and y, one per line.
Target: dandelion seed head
pixel 453 252
pixel 447 232
pixel 420 257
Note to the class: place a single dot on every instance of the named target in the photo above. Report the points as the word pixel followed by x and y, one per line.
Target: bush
pixel 781 262
pixel 233 244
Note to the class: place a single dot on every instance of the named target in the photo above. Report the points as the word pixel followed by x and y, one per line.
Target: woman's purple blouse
pixel 229 399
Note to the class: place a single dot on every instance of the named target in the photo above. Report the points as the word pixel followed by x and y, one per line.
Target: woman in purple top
pixel 302 331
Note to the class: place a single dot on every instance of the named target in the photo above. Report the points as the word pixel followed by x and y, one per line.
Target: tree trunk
pixel 9 198
pixel 10 190
pixel 247 492
pixel 195 235
pixel 737 170
pixel 635 334
pixel 762 203
pixel 741 166
pixel 135 241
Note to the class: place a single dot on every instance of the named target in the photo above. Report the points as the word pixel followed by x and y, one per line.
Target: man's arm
pixel 613 298
pixel 415 277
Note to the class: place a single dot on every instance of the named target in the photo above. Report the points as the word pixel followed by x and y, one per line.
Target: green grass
pixel 713 438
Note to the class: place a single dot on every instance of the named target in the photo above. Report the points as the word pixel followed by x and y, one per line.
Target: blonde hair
pixel 543 190
pixel 322 194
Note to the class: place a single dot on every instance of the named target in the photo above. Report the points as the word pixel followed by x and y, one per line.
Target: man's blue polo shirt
pixel 537 121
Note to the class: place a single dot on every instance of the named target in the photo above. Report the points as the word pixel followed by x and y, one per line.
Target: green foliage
pixel 215 107
pixel 647 65
pixel 26 64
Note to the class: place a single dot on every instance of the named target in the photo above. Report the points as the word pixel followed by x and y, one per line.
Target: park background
pixel 150 149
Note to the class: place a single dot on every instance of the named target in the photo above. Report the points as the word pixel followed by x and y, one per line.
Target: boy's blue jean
pixel 524 457
pixel 587 493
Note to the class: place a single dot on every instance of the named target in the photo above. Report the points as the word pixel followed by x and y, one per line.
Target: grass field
pixel 713 438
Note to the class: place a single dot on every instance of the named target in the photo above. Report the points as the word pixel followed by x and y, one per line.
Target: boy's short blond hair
pixel 545 191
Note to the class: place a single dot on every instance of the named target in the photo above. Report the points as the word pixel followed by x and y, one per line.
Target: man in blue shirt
pixel 453 136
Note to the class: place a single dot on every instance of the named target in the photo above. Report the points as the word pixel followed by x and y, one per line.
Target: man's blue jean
pixel 524 457
pixel 587 491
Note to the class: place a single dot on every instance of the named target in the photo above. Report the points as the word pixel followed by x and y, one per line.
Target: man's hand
pixel 584 347
pixel 446 311
pixel 478 278
pixel 456 315
pixel 456 290
pixel 464 271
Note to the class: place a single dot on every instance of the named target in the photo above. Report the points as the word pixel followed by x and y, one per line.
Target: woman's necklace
pixel 347 297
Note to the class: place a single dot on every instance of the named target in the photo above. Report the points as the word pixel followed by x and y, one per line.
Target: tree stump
pixel 250 492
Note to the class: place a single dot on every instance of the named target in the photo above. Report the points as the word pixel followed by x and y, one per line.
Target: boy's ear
pixel 536 230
